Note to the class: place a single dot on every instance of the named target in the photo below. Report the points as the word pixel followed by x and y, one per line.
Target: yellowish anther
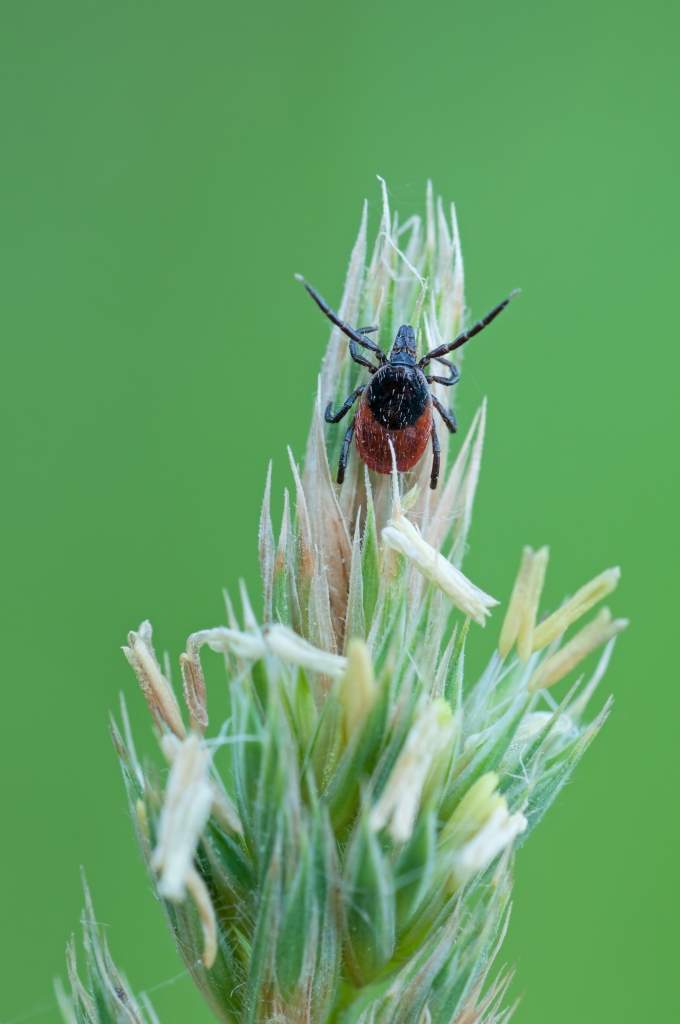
pixel 142 820
pixel 430 735
pixel 198 891
pixel 156 688
pixel 186 808
pixel 573 609
pixel 479 829
pixel 295 650
pixel 222 808
pixel 474 810
pixel 401 535
pixel 520 619
pixel 194 690
pixel 357 687
pixel 513 616
pixel 525 637
pixel 594 635
pixel 274 639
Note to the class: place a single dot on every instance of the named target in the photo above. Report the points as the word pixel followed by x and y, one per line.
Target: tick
pixel 396 404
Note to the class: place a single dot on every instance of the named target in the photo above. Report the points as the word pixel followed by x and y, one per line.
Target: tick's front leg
pixel 335 417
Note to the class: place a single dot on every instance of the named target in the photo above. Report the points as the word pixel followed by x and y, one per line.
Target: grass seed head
pixel 342 842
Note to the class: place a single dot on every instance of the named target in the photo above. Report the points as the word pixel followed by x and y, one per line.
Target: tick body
pixel 396 406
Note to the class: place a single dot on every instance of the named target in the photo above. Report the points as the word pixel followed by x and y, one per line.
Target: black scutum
pixel 397 396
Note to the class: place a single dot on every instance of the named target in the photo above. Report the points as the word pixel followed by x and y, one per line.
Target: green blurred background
pixel 165 169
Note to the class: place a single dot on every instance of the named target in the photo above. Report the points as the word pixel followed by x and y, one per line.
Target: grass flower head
pixel 340 847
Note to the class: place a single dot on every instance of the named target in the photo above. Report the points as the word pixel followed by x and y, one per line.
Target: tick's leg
pixel 335 417
pixel 345 328
pixel 367 330
pixel 344 454
pixel 446 414
pixel 453 378
pixel 442 350
pixel 436 450
pixel 358 358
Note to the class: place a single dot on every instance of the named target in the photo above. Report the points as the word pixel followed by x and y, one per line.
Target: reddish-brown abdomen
pixel 409 442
